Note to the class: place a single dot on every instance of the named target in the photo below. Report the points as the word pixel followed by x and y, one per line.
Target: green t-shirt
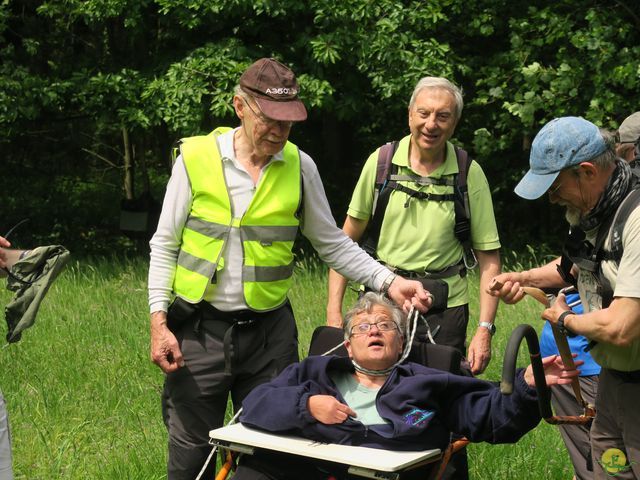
pixel 361 399
pixel 420 236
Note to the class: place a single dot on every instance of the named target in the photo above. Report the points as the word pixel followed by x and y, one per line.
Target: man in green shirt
pixel 417 234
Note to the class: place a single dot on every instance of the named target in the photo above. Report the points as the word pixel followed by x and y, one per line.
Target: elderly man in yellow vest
pixel 234 203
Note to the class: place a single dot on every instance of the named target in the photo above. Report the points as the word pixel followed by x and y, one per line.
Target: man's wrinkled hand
pixel 558 308
pixel 479 352
pixel 410 293
pixel 165 351
pixel 507 286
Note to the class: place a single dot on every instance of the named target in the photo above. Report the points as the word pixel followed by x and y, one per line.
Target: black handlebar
pixel 509 367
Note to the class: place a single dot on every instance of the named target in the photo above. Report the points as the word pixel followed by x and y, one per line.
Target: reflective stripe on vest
pixel 268 227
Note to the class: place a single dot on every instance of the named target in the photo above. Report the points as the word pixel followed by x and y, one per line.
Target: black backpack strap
pixel 573 246
pixel 578 251
pixel 614 253
pixel 629 204
pixel 462 228
pixel 381 197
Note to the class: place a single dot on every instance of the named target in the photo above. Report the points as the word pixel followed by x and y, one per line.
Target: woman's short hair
pixel 367 303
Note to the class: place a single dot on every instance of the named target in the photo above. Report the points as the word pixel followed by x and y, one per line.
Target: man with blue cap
pixel 575 164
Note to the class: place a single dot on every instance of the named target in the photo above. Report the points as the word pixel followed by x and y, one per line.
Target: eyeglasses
pixel 553 190
pixel 384 326
pixel 266 121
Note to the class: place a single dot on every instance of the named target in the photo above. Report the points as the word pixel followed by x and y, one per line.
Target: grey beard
pixel 573 216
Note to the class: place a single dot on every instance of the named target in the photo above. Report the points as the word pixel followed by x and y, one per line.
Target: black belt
pixel 456 269
pixel 211 318
pixel 629 377
pixel 239 317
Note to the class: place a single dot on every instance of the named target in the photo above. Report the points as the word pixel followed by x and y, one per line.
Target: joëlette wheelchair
pixel 329 339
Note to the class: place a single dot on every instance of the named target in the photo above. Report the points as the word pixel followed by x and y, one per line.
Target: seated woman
pixel 372 400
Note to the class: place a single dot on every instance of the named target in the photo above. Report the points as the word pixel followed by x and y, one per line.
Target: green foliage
pixel 565 58
pixel 75 73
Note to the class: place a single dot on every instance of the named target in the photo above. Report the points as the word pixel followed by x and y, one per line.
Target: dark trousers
pixel 451 325
pixel 225 353
pixel 616 427
pixel 576 438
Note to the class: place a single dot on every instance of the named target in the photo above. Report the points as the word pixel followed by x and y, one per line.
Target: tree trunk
pixel 128 165
pixel 141 160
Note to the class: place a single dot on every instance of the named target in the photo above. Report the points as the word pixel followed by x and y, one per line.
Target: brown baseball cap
pixel 629 130
pixel 275 90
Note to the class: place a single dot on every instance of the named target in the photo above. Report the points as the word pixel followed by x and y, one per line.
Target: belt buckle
pixel 242 323
pixel 422 273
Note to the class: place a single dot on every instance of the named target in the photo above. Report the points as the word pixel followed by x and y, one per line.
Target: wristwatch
pixel 561 328
pixel 489 326
pixel 384 289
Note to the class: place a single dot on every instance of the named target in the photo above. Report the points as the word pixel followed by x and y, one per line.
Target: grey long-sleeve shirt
pixel 317 224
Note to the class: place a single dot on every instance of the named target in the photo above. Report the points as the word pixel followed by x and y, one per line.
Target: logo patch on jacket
pixel 417 417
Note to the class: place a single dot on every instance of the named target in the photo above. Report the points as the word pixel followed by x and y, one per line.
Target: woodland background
pixel 94 93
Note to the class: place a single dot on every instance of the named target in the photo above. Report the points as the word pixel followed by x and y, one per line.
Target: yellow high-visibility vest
pixel 268 228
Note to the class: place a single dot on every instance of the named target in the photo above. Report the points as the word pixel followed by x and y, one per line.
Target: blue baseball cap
pixel 561 143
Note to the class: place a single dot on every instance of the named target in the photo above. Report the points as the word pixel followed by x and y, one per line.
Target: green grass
pixel 84 399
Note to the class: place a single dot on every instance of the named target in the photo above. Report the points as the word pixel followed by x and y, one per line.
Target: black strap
pixel 418 195
pixel 574 244
pixel 450 271
pixel 462 229
pixel 628 205
pixel 381 197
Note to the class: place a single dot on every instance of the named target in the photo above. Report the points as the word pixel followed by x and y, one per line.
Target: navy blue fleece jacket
pixel 423 406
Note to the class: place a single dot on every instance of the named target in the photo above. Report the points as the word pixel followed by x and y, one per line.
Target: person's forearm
pixel 489 264
pixel 162 269
pixel 546 276
pixel 619 324
pixel 165 243
pixel 158 318
pixel 336 289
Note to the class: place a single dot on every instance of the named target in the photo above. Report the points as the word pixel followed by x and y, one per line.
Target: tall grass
pixel 83 396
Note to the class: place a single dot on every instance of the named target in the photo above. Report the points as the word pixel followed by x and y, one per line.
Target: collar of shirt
pixel 449 167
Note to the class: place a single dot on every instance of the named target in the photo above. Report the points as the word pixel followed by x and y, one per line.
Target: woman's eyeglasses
pixel 384 326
